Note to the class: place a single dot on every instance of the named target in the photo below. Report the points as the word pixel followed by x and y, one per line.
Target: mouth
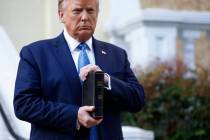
pixel 84 28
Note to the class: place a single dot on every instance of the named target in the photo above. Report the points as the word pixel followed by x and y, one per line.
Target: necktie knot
pixel 82 46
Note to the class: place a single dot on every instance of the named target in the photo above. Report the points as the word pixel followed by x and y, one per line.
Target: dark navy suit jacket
pixel 48 90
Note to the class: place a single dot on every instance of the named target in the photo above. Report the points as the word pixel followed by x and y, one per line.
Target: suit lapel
pixel 64 57
pixel 102 56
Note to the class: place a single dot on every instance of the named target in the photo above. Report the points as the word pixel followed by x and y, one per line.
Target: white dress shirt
pixel 73 43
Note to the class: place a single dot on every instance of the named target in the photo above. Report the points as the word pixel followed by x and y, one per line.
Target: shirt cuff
pixel 107 81
pixel 77 125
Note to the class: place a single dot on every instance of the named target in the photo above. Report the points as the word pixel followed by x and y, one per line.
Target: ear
pixel 61 15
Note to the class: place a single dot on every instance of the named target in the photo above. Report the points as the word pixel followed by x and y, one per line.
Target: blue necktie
pixel 83 61
pixel 83 57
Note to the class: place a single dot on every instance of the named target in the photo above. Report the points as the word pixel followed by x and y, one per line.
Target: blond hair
pixel 60 4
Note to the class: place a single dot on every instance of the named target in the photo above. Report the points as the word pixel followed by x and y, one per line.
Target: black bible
pixel 93 92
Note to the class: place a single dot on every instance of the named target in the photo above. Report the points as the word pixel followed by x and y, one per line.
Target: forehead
pixel 83 3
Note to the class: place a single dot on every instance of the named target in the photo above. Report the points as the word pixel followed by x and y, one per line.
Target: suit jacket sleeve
pixel 29 105
pixel 126 91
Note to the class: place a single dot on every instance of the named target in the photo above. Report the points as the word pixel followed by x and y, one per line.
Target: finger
pixel 93 121
pixel 84 117
pixel 89 121
pixel 88 108
pixel 99 121
pixel 98 68
pixel 92 67
pixel 86 69
pixel 83 74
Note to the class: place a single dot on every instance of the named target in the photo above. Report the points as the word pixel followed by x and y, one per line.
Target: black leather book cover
pixel 93 92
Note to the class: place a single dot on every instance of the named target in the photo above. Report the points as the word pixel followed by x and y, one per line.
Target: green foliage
pixel 176 108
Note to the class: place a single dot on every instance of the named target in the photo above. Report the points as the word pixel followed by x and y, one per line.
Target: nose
pixel 84 16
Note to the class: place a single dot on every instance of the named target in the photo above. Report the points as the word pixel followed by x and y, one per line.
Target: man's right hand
pixel 84 117
pixel 86 69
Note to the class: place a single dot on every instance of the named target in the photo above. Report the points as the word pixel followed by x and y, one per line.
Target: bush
pixel 177 108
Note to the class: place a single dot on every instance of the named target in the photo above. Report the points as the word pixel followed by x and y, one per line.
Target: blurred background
pixel 168 44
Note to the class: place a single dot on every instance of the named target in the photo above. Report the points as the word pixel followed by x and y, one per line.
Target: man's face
pixel 79 18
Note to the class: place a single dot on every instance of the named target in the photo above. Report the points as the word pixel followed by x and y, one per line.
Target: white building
pixel 152 34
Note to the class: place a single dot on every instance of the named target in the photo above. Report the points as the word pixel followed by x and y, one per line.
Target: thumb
pixel 89 108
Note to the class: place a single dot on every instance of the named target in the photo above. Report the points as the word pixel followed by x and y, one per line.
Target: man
pixel 48 85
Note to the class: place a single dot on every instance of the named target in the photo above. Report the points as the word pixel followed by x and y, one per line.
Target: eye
pixel 91 11
pixel 76 11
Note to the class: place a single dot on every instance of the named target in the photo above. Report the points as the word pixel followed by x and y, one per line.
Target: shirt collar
pixel 73 43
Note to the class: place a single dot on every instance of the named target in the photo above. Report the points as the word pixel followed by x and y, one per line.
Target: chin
pixel 84 36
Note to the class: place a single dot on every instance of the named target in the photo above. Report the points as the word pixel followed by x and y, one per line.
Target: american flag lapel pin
pixel 103 52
